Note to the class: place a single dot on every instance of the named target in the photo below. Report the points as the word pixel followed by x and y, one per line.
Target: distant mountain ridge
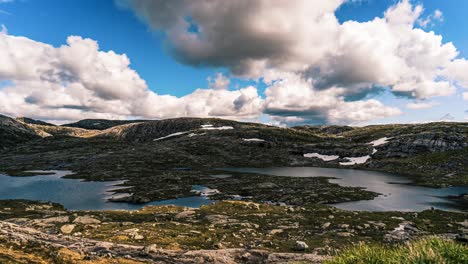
pixel 100 124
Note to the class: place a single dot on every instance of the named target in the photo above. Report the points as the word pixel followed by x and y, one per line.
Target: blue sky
pixel 121 30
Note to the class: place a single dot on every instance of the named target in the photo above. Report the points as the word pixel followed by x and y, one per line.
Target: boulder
pixel 301 245
pixel 67 229
pixel 86 220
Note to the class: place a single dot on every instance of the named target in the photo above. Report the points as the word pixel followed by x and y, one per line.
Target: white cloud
pixel 437 16
pixel 465 96
pixel 421 105
pixel 316 69
pixel 338 63
pixel 220 82
pixel 77 81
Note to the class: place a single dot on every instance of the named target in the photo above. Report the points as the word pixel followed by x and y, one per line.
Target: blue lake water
pixel 397 195
pixel 77 194
pixel 81 195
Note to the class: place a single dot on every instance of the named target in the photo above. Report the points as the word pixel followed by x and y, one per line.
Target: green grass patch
pixel 425 250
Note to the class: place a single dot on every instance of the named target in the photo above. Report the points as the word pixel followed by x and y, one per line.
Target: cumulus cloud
pixel 220 82
pixel 314 64
pixel 78 80
pixel 437 16
pixel 316 69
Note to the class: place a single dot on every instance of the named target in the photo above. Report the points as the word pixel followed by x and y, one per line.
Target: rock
pixel 275 231
pixel 462 238
pixel 55 220
pixel 217 219
pixel 464 223
pixel 185 214
pixel 86 220
pixel 404 232
pixel 131 231
pixel 67 229
pixel 138 237
pixel 102 246
pixel 326 225
pixel 151 249
pixel 343 226
pixel 301 245
pixel 331 216
pixel 344 234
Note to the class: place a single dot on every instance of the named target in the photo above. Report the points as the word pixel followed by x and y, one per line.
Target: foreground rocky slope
pixel 226 232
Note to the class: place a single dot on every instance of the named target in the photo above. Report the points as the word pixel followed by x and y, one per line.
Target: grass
pixel 423 251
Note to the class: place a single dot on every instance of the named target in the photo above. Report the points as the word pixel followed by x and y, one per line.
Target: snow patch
pixel 210 127
pixel 379 142
pixel 253 139
pixel 320 156
pixel 171 135
pixel 355 160
pixel 204 191
pixel 195 134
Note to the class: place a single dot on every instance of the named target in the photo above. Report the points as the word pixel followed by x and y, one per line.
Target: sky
pixel 353 62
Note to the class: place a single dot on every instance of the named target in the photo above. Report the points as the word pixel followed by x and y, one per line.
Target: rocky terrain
pixel 225 232
pixel 280 218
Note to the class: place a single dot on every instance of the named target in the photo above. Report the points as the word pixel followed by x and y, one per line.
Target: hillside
pixel 13 132
pixel 100 124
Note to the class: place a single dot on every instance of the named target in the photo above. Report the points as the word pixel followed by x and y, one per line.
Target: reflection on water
pixel 396 196
pixel 77 194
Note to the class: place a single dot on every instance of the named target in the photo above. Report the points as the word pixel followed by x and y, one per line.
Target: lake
pixel 81 195
pixel 397 194
pixel 76 194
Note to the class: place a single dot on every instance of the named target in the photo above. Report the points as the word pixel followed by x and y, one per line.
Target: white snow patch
pixel 253 139
pixel 210 127
pixel 320 156
pixel 195 134
pixel 204 126
pixel 374 151
pixel 171 135
pixel 355 160
pixel 380 141
pixel 206 192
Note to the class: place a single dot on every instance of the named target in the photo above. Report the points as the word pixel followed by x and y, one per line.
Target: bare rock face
pixel 408 145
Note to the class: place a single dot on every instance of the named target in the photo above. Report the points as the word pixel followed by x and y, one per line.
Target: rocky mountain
pixel 13 132
pixel 31 121
pixel 100 124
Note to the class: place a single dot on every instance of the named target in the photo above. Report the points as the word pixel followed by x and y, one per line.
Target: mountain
pixel 100 124
pixel 31 121
pixel 13 132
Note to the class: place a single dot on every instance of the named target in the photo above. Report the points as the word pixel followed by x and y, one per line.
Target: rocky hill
pixel 13 132
pixel 100 124
pixel 31 121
